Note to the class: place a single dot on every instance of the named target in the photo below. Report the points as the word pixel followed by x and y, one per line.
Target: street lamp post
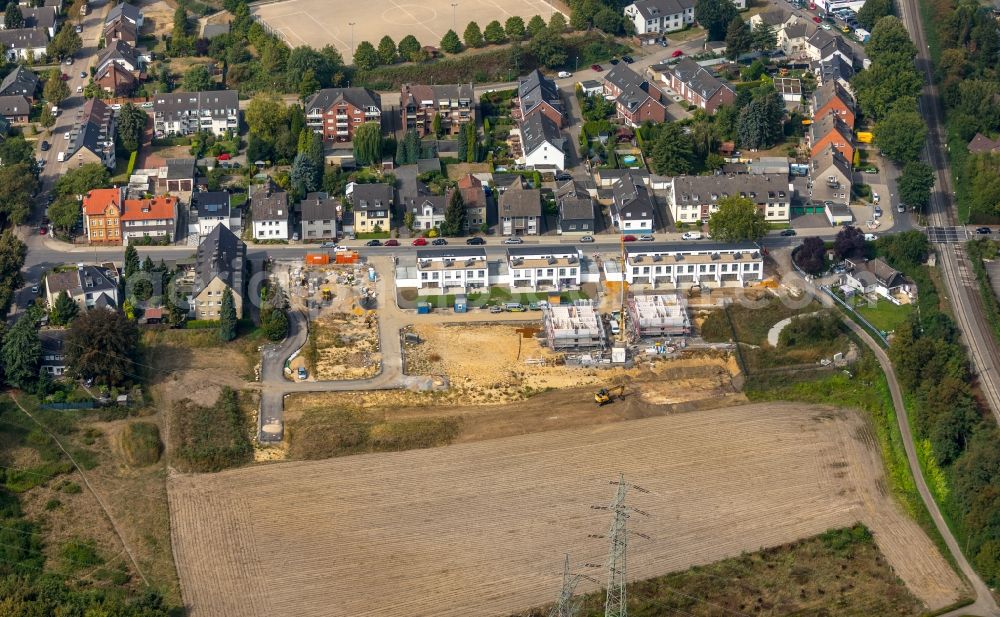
pixel 454 15
pixel 576 66
pixel 351 24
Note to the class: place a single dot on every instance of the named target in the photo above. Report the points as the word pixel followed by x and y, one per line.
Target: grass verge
pixel 211 438
pixel 839 572
pixel 327 433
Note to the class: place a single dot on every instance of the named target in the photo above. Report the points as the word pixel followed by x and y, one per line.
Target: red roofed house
pixel 102 211
pixel 154 218
pixel 831 97
pixel 116 80
pixel 475 201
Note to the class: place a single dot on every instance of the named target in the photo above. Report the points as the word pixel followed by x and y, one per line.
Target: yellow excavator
pixel 606 395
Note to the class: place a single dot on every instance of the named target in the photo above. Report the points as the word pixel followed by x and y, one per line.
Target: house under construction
pixel 658 315
pixel 573 327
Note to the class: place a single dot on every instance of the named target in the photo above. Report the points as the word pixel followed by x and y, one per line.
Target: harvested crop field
pixel 481 528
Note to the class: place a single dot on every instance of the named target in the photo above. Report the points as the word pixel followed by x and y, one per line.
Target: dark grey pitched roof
pixel 358 97
pixel 536 130
pixel 833 68
pixel 829 43
pixel 830 122
pixel 535 89
pixel 654 9
pixel 180 168
pixel 634 88
pixel 318 206
pixel 221 254
pixel 211 203
pixel 218 104
pixel 826 93
pixel 97 128
pixel 372 197
pixel 39 17
pixel 19 81
pixel 761 188
pixel 427 165
pixel 774 17
pixel 829 157
pixel 698 78
pixel 574 202
pixel 520 201
pixel 268 205
pixel 95 279
pixel 53 343
pixel 119 50
pixel 123 10
pixel 14 105
pixel 632 199
pixel 23 38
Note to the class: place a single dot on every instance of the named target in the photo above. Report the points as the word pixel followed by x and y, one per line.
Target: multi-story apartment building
pixel 520 210
pixel 451 270
pixel 419 104
pixel 699 86
pixel 154 218
pixel 694 198
pixel 183 113
pixel 683 265
pixel 94 140
pixel 544 269
pixel 636 100
pixel 335 113
pixel 219 264
pixel 102 212
pixel 658 16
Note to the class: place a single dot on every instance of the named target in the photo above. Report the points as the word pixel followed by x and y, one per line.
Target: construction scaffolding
pixel 659 315
pixel 573 327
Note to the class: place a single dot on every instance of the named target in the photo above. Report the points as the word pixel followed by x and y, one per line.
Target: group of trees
pixel 715 16
pixel 408 149
pixel 737 218
pixel 19 179
pixel 273 129
pixel 605 15
pixel 740 38
pixel 65 43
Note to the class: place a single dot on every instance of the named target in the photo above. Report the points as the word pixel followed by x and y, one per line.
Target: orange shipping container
pixel 347 257
pixel 317 259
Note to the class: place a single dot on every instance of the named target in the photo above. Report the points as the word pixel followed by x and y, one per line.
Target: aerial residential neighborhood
pixel 316 308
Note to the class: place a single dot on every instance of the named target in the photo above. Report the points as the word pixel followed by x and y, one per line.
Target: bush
pixel 140 442
pixel 810 330
pixel 211 438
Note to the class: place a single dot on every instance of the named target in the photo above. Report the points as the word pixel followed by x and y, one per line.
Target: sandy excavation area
pixel 481 528
pixel 505 363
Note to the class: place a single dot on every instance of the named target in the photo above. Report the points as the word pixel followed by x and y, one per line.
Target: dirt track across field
pixel 481 528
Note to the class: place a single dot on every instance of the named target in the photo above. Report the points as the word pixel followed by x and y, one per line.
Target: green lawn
pixel 408 298
pixel 371 235
pixel 885 315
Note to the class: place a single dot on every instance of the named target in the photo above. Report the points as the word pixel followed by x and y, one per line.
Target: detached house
pixel 636 100
pixel 520 210
pixel 536 93
pixel 700 87
pixel 319 217
pixel 270 213
pixel 419 104
pixel 335 113
pixel 878 277
pixel 24 44
pixel 576 209
pixel 633 210
pixel 88 286
pixel 116 80
pixel 20 82
pixel 183 113
pixel 823 45
pixel 154 218
pixel 372 206
pixel 102 211
pixel 15 108
pixel 476 205
pixel 658 16
pixel 120 53
pixel 219 265
pixel 125 12
pixel 209 209
pixel 542 143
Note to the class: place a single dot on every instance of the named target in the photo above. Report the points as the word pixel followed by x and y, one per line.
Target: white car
pixel 825 26
pixel 901 208
pixel 874 198
pixel 691 235
pixel 513 240
pixel 61 157
pixel 564 74
pixel 870 237
pixel 647 237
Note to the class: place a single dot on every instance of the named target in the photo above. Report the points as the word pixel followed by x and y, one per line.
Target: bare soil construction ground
pixel 348 345
pixel 481 528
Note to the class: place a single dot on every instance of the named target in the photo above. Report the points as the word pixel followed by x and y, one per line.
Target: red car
pixel 41 231
pixel 64 76
pixel 596 67
pixel 817 19
pixel 629 238
pixel 420 242
pixel 677 53
pixel 224 156
pixel 391 242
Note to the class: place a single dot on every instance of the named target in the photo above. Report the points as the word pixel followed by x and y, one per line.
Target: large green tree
pixel 19 182
pixel 366 56
pixel 473 36
pixel 536 25
pixel 673 152
pixel 454 215
pixel 549 48
pixel 131 124
pixel 890 42
pixel 874 10
pixel 132 263
pixel 22 352
pixel 368 143
pixel 900 135
pixel 101 345
pixel 387 52
pixel 410 48
pixel 759 125
pixel 264 115
pixel 12 252
pixel 12 17
pixel 714 16
pixel 227 316
pixel 493 33
pixel 915 184
pixel 196 79
pixel 739 38
pixel 764 38
pixel 451 43
pixel 55 90
pixel 65 43
pixel 737 219
pixel 81 180
pixel 64 310
pixel 514 28
pixel 65 212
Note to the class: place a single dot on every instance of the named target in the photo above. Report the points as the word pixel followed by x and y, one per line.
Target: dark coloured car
pixel 476 241
pixel 563 177
pixel 373 243
pixel 439 242
pixel 45 146
pixel 627 59
pixel 614 61
pixel 392 242
pixel 788 232
pixel 983 230
pixel 596 67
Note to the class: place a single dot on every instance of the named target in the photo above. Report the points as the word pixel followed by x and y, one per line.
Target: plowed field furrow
pixel 481 528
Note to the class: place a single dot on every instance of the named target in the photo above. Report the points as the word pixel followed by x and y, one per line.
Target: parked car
pixel 68 61
pixel 83 74
pixel 691 235
pixel 42 230
pixel 628 59
pixel 901 208
pixel 496 309
pixel 513 240
pixel 374 243
pixel 825 26
pixel 225 156
pixel 817 19
pixel 614 61
pixel 875 198
pixel 477 240
pixel 870 237
pixel 79 89
pixel 596 67
pixel 34 289
pixel 628 238
pixel 302 372
pixel 64 77
pixel 328 245
pixel 45 146
pixel 587 239
pixel 419 242
pixel 439 242
pixel 677 53
pixel 878 211
pixel 79 29
pixel 646 238
pixel 391 242
pixel 983 230
pixel 564 74
pixel 562 176
pixel 788 232
pixel 871 170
